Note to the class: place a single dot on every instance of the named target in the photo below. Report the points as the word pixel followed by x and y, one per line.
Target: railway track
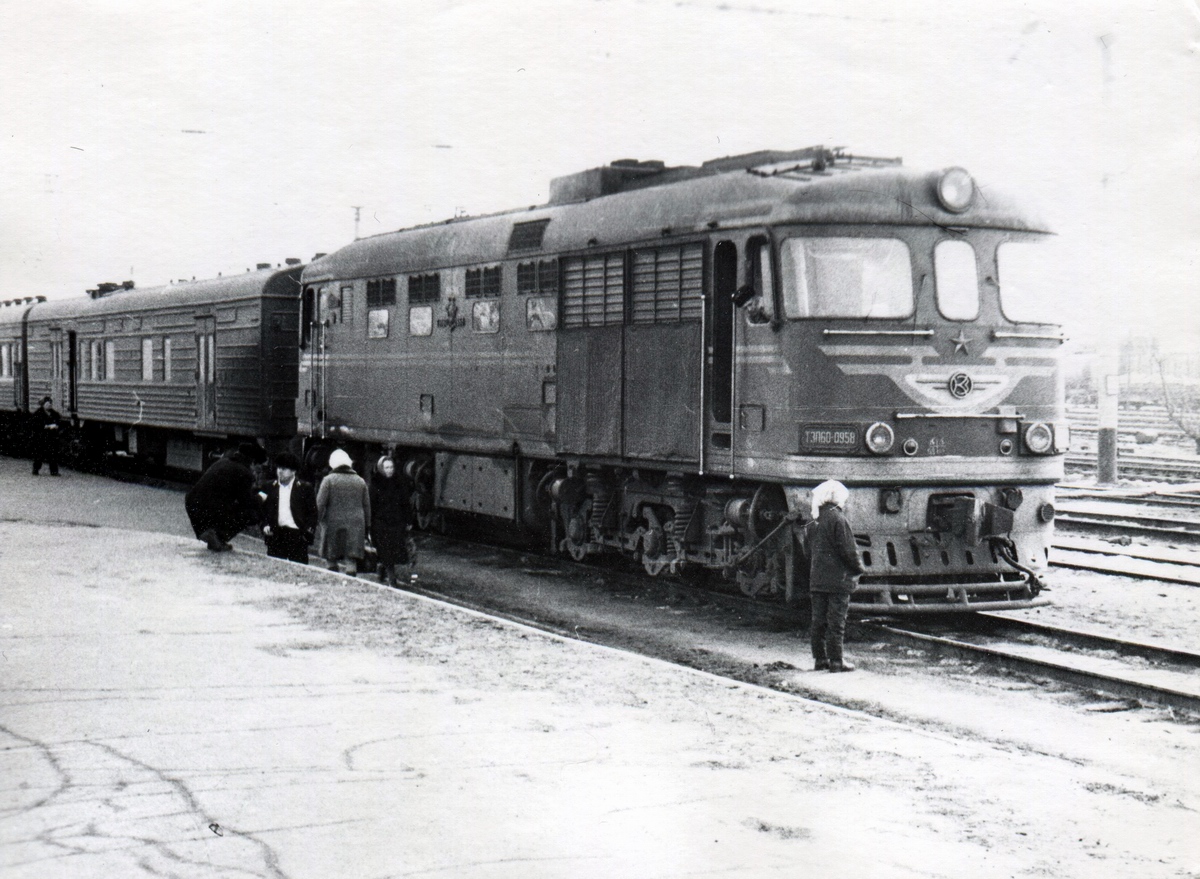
pixel 1145 534
pixel 1110 523
pixel 1118 668
pixel 1141 467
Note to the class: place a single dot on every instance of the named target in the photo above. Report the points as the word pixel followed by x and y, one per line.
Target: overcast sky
pixel 152 141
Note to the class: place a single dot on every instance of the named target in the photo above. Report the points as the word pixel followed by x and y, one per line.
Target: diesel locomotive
pixel 660 362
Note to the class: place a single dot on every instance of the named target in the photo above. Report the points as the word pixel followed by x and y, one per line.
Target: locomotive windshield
pixel 956 279
pixel 1030 285
pixel 846 277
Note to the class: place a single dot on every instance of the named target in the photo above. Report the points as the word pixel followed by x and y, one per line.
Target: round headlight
pixel 910 447
pixel 956 190
pixel 1039 438
pixel 880 438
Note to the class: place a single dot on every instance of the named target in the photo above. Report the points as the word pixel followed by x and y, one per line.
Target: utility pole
pixel 357 213
pixel 1108 382
pixel 1108 366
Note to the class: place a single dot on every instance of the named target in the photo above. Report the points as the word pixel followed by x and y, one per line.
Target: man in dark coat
pixel 288 527
pixel 833 569
pixel 46 432
pixel 224 500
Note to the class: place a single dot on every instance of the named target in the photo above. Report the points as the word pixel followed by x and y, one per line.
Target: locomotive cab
pixel 917 379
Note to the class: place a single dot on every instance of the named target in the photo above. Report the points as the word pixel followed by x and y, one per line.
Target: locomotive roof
pixel 185 293
pixel 631 201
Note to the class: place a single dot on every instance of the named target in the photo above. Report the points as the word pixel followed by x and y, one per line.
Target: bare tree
pixel 1182 401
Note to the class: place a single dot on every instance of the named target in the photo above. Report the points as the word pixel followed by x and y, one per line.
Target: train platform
pixel 166 711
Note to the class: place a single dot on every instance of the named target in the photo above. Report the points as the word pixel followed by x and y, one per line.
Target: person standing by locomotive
pixel 391 519
pixel 46 433
pixel 224 499
pixel 344 511
pixel 833 570
pixel 289 512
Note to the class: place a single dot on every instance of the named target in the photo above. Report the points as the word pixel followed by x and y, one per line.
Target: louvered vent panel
pixel 668 284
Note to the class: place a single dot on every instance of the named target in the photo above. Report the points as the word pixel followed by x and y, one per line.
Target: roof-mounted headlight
pixel 955 190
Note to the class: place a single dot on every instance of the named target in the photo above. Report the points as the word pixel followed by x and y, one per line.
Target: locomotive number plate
pixel 828 438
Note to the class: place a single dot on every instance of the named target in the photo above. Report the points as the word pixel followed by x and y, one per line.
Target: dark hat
pixel 253 452
pixel 46 399
pixel 288 460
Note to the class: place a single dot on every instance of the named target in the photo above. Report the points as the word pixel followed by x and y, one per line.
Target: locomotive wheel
pixel 655 566
pixel 577 551
pixel 575 543
pixel 753 582
pixel 767 509
pixel 419 470
pixel 655 559
pixel 762 576
pixel 655 542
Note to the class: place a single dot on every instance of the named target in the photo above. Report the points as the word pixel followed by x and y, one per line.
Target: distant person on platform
pixel 833 570
pixel 289 512
pixel 344 511
pixel 391 520
pixel 224 499
pixel 46 433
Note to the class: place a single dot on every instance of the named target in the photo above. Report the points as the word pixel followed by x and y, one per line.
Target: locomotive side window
pixel 758 294
pixel 485 316
pixel 957 280
pixel 147 360
pixel 377 323
pixel 380 292
pixel 110 361
pixel 526 278
pixel 540 315
pixel 166 358
pixel 424 288
pixel 1029 283
pixel 668 284
pixel 539 277
pixel 594 290
pixel 846 277
pixel 483 283
pixel 5 361
pixel 420 320
pixel 547 272
pixel 539 281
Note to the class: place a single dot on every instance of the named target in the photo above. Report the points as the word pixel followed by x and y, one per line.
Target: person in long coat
pixel 289 512
pixel 46 433
pixel 391 519
pixel 833 571
pixel 344 510
pixel 224 499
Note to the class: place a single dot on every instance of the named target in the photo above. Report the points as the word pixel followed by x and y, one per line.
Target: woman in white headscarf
pixel 833 569
pixel 344 510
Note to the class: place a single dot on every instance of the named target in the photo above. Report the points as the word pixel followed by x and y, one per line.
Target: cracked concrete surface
pixel 169 712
